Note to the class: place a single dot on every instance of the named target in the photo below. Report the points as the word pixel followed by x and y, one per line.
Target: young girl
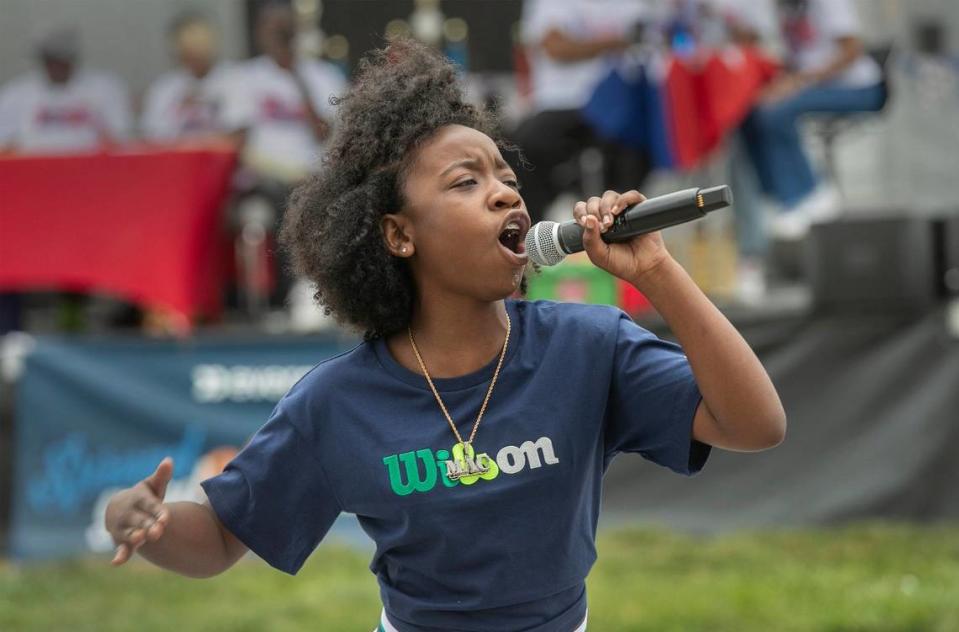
pixel 469 432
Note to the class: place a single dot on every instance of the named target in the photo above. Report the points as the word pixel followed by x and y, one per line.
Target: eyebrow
pixel 475 164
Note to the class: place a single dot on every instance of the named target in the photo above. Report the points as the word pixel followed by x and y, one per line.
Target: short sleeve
pixel 274 495
pixel 653 399
pixel 539 16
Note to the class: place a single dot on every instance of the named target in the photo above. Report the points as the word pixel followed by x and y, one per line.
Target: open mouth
pixel 512 238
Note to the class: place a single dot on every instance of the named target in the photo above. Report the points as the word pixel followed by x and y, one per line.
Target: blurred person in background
pixel 190 101
pixel 748 24
pixel 569 43
pixel 283 107
pixel 827 73
pixel 185 104
pixel 62 107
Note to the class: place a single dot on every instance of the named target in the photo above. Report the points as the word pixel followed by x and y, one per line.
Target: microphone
pixel 548 243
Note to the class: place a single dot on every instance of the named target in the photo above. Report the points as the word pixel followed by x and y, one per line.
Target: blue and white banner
pixel 94 417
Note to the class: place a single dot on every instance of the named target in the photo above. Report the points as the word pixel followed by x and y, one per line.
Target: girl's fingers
pixel 124 552
pixel 122 555
pixel 624 201
pixel 606 208
pixel 595 247
pixel 608 201
pixel 579 212
pixel 134 520
pixel 629 198
pixel 155 531
pixel 140 527
pixel 157 481
pixel 133 536
pixel 593 207
pixel 154 508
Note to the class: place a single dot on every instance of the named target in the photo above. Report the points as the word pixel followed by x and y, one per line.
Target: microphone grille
pixel 542 244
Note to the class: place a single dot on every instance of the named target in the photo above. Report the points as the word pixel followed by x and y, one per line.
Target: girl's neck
pixel 455 336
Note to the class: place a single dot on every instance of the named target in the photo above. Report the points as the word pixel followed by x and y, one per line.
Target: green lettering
pixel 414 482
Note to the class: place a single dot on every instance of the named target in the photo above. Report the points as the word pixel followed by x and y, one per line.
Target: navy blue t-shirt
pixel 362 434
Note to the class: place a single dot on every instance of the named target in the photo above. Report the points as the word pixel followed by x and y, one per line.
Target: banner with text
pixel 95 417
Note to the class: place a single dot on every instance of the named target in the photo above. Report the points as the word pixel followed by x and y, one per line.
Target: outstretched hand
pixel 628 260
pixel 137 515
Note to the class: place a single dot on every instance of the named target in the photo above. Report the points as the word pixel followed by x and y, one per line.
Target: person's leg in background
pixel 546 140
pixel 291 294
pixel 278 193
pixel 775 144
pixel 786 170
pixel 752 242
pixel 256 215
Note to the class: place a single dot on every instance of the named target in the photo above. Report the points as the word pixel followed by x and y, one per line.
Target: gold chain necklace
pixel 466 445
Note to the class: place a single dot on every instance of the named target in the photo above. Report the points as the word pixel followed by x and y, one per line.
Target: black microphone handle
pixel 646 217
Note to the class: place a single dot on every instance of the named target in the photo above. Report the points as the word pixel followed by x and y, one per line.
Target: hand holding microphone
pixel 619 231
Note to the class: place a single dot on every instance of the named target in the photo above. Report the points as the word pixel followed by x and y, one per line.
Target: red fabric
pixel 732 83
pixel 708 98
pixel 144 225
pixel 684 105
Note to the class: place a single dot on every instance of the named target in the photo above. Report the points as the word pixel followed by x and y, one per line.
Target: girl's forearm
pixel 192 543
pixel 734 385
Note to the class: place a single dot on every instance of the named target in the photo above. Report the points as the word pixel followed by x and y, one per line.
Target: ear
pixel 398 234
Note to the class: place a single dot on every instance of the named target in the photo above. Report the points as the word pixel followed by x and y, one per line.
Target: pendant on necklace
pixel 467 467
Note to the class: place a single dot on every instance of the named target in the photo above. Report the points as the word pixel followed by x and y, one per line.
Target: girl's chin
pixel 493 294
pixel 513 289
pixel 500 283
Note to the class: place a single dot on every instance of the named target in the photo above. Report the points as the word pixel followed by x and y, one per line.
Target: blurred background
pixel 147 148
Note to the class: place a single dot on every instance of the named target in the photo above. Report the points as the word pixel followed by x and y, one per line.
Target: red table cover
pixel 143 224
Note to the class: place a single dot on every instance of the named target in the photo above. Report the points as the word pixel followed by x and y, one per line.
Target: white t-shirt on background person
pixel 568 85
pixel 269 104
pixel 39 116
pixel 178 105
pixel 812 39
pixel 759 16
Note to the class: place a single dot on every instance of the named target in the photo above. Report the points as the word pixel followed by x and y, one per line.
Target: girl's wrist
pixel 658 276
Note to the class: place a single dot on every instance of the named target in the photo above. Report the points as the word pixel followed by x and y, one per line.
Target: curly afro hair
pixel 402 94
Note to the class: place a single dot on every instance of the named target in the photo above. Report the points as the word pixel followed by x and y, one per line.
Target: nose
pixel 505 197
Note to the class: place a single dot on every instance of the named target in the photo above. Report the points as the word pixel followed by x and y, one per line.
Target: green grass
pixel 863 578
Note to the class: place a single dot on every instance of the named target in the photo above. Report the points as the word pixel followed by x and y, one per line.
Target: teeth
pixel 512 226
